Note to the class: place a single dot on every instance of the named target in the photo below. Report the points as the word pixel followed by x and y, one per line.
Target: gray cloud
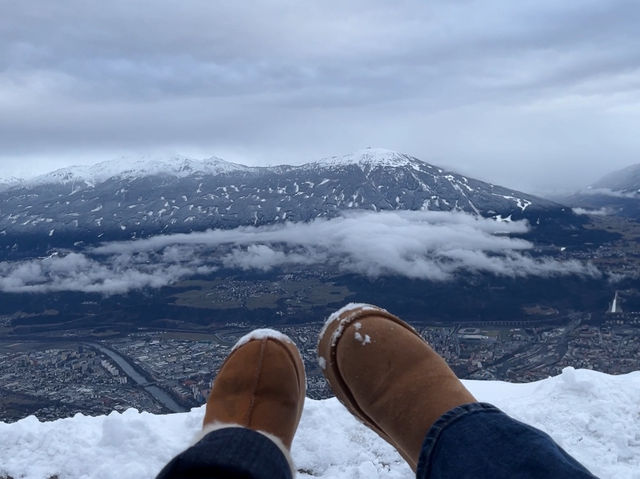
pixel 415 244
pixel 79 272
pixel 529 94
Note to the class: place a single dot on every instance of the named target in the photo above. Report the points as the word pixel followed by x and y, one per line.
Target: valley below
pixel 54 361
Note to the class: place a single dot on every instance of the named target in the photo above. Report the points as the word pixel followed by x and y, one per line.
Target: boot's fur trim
pixel 214 426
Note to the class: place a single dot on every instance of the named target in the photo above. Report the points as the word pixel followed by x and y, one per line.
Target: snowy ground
pixel 594 416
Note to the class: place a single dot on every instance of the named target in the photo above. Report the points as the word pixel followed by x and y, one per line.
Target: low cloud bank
pixel 82 273
pixel 415 244
pixel 612 193
pixel 599 212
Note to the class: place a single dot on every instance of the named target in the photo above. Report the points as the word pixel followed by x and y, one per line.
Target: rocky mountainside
pixel 125 200
pixel 617 193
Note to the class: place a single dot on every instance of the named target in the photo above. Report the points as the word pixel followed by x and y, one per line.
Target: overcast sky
pixel 539 95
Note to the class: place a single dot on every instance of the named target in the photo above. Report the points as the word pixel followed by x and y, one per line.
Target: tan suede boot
pixel 260 386
pixel 388 376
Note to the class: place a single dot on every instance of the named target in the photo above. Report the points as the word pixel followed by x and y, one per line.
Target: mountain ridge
pixel 117 201
pixel 124 168
pixel 182 166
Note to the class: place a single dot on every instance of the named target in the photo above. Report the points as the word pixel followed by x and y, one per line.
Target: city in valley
pixel 172 371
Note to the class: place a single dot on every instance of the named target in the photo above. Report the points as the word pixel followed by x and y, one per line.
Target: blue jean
pixel 232 453
pixel 479 441
pixel 472 441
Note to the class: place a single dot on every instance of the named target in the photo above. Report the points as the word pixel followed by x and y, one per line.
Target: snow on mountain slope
pixel 179 167
pixel 369 157
pixel 79 206
pixel 594 416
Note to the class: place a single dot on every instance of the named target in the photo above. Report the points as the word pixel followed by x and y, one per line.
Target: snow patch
pixel 322 362
pixel 335 316
pixel 353 308
pixel 501 219
pixel 259 334
pixel 520 202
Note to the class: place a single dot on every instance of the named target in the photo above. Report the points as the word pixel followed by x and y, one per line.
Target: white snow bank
pixel 594 416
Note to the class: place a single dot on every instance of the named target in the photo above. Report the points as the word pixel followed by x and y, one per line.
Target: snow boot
pixel 260 386
pixel 387 376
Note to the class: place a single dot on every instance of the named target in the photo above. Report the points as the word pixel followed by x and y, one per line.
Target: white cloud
pixel 415 244
pixel 610 192
pixel 79 272
pixel 263 257
pixel 598 212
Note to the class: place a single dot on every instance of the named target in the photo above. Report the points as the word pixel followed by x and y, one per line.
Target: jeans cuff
pixel 231 452
pixel 438 427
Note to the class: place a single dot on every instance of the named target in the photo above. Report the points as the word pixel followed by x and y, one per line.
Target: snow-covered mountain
pixel 594 416
pixel 617 193
pixel 123 168
pixel 123 199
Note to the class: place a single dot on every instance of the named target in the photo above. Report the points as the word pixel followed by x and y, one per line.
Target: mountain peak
pixel 369 157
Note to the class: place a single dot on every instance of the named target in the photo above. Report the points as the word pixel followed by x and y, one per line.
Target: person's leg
pixel 389 377
pixel 478 440
pixel 231 452
pixel 252 414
